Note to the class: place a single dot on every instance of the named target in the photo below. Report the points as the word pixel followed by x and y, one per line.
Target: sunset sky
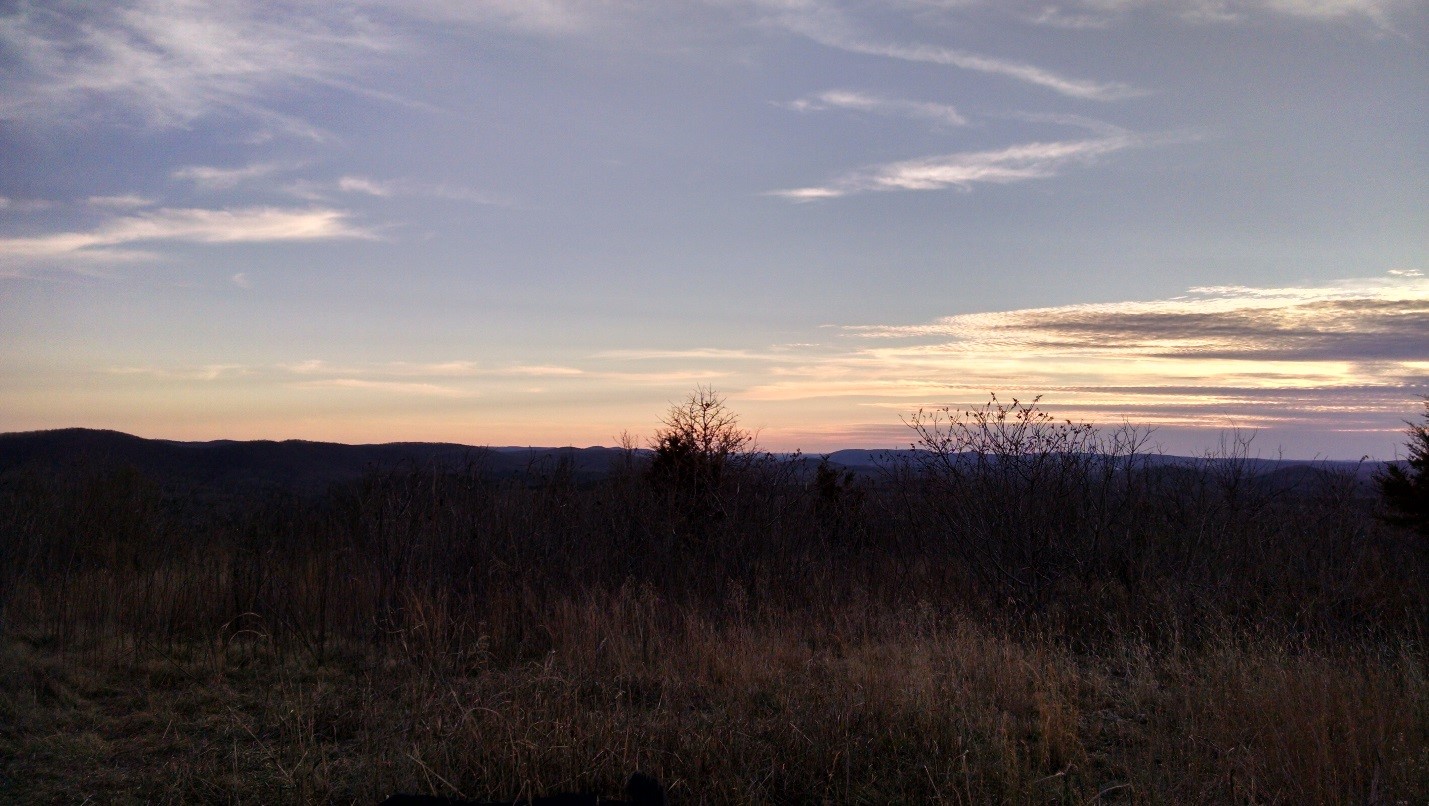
pixel 538 222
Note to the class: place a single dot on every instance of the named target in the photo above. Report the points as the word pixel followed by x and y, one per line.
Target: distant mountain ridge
pixel 312 467
pixel 297 465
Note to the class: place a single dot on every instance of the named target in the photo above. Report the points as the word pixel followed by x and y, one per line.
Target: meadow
pixel 1067 620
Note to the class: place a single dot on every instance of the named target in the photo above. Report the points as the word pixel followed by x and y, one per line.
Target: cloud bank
pixel 1350 357
pixel 1380 321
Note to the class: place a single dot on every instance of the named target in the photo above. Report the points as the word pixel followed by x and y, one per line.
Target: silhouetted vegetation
pixel 1020 610
pixel 1406 489
pixel 698 445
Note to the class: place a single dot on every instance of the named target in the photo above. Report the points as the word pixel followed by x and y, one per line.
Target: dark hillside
pixel 296 466
pixel 311 468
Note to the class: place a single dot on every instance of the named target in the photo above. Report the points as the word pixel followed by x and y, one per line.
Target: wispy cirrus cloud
pixel 363 185
pixel 674 377
pixel 434 369
pixel 1019 163
pixel 113 239
pixel 834 24
pixel 850 100
pixel 1062 18
pixel 403 388
pixel 543 371
pixel 1375 9
pixel 386 188
pixel 442 379
pixel 457 377
pixel 212 177
pixel 10 205
pixel 207 372
pixel 169 62
pixel 827 24
pixel 549 17
pixel 703 353
pixel 1102 13
pixel 1021 71
pixel 125 201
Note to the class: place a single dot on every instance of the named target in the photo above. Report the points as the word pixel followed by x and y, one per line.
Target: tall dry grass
pixel 1148 635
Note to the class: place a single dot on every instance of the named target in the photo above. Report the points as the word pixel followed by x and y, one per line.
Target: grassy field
pixel 1109 631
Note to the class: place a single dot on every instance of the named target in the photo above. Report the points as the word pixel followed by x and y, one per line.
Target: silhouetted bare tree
pixel 699 440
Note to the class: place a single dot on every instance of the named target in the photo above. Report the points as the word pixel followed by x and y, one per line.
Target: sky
pixel 541 222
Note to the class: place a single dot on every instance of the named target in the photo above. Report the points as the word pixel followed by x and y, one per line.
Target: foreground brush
pixel 641 790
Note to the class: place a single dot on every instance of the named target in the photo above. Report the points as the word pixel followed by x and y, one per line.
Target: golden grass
pixel 854 705
pixel 1160 637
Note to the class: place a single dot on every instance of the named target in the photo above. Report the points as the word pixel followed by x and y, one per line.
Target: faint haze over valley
pixel 538 223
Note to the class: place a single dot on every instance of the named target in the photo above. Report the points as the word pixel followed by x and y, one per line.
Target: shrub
pixel 700 440
pixel 1406 490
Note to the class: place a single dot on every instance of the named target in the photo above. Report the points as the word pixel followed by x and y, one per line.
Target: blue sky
pixel 539 222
